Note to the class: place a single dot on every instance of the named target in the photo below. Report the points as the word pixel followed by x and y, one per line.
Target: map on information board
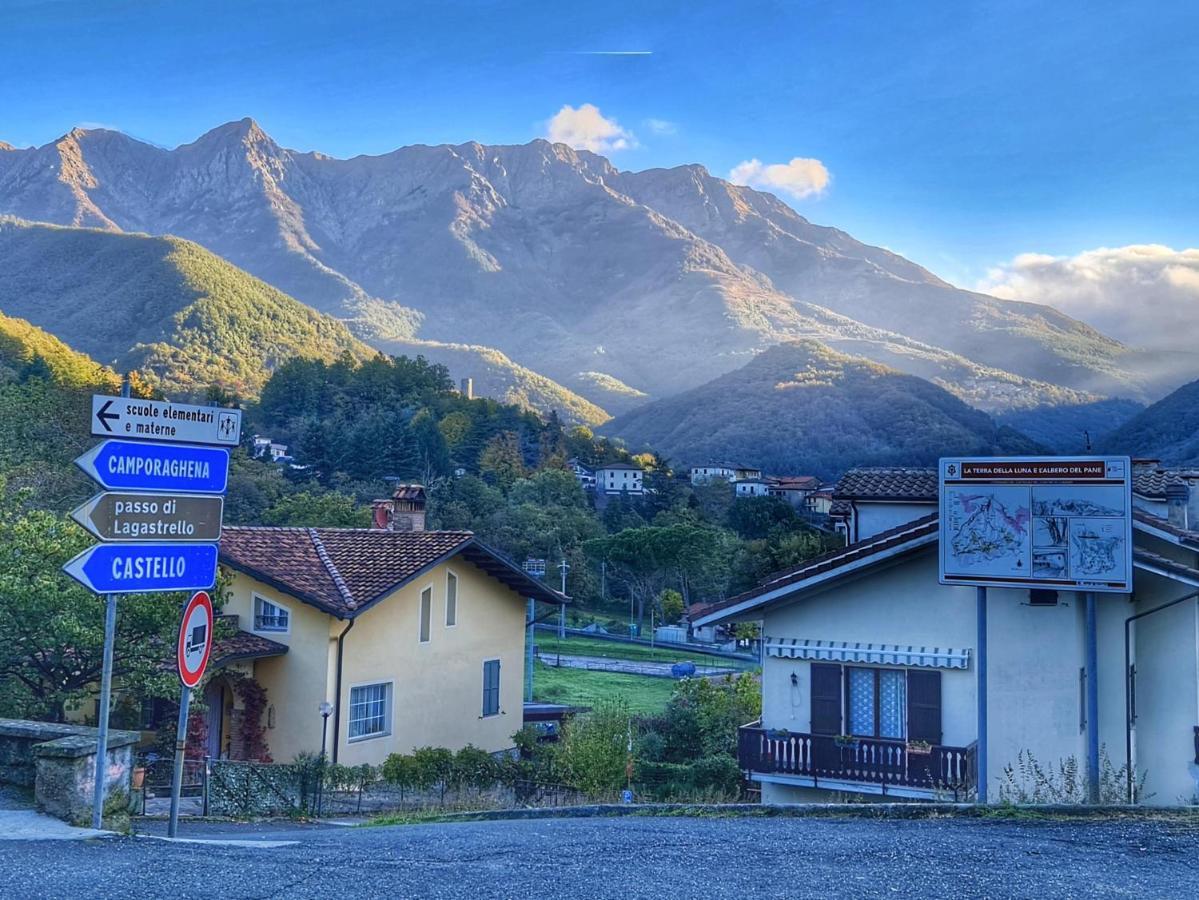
pixel 1044 522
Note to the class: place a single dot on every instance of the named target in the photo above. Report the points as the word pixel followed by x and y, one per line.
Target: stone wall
pixel 59 762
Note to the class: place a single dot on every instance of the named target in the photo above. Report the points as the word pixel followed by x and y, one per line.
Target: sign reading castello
pixel 1046 522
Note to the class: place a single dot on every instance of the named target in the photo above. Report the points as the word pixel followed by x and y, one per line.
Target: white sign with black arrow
pixel 160 420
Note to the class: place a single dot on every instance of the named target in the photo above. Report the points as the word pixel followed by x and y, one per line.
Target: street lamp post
pixel 326 709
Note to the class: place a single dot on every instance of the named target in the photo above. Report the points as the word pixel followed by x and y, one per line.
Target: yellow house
pixel 414 638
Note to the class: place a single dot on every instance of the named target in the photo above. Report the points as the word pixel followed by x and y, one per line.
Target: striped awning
pixel 876 654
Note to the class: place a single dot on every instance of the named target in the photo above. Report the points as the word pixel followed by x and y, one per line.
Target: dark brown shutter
pixel 826 699
pixel 924 706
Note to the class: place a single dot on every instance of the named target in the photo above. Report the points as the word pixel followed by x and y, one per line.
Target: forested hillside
pixel 804 409
pixel 500 471
pixel 167 308
pixel 1168 430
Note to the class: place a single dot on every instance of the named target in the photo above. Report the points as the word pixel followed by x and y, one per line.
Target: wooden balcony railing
pixel 863 760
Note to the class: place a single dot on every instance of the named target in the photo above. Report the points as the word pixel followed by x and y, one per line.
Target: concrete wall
pixel 59 762
pixel 1166 656
pixel 873 518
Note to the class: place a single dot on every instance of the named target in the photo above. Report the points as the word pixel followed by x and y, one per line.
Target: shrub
pixel 475 768
pixel 434 768
pixel 593 751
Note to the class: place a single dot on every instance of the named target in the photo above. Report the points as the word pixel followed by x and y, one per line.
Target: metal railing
pixel 874 761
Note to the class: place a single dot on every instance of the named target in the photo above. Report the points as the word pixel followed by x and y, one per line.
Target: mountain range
pixel 558 281
pixel 657 279
pixel 837 407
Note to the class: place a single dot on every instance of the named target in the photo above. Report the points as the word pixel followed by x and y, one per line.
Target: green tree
pixel 670 602
pixel 502 461
pixel 318 510
pixel 52 655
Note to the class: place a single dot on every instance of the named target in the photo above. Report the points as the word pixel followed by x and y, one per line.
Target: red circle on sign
pixel 190 640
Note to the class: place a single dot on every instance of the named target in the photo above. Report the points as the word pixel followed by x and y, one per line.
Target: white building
pixel 265 448
pixel 755 487
pixel 582 473
pixel 730 472
pixel 871 499
pixel 869 681
pixel 619 478
pixel 794 489
pixel 706 474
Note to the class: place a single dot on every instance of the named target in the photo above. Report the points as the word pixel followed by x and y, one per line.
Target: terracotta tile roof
pixel 243 645
pixel 887 483
pixel 344 570
pixel 796 482
pixel 1152 483
pixel 840 508
pixel 851 553
pixel 408 492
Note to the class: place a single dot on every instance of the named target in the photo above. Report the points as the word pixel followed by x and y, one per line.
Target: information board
pixel 1055 523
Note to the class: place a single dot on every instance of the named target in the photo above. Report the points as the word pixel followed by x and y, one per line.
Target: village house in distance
pixel 415 638
pixel 869 678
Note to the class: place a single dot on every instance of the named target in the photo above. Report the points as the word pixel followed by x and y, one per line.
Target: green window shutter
pixel 491 687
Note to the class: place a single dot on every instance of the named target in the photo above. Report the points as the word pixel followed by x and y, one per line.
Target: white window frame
pixel 388 710
pixel 420 606
pixel 255 600
pixel 450 573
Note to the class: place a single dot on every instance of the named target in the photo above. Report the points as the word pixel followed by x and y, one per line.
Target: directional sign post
pixel 128 516
pixel 145 568
pixel 130 465
pixel 159 518
pixel 193 649
pixel 158 420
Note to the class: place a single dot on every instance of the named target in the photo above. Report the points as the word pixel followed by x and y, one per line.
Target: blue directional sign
pixel 131 465
pixel 142 568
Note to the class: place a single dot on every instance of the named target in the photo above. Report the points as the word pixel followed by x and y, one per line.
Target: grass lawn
pixel 580 687
pixel 548 643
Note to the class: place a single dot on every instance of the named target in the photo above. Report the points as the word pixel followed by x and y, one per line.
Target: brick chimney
pixel 405 511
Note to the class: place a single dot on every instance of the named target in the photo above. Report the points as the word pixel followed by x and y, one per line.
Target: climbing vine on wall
pixel 253 731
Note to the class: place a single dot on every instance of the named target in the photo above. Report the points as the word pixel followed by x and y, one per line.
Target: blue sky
pixel 957 133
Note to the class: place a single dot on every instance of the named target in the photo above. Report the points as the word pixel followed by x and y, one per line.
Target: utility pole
pixel 563 567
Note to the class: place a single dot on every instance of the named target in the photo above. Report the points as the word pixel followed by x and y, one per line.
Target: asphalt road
pixel 629 858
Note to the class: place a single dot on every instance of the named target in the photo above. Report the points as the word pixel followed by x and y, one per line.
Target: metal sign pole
pixel 981 663
pixel 185 700
pixel 1092 685
pixel 110 629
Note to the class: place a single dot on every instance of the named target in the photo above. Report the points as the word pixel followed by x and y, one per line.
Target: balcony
pixel 861 765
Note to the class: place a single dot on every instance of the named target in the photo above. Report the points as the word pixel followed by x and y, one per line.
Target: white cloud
pixel 1143 294
pixel 586 128
pixel 800 178
pixel 661 127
